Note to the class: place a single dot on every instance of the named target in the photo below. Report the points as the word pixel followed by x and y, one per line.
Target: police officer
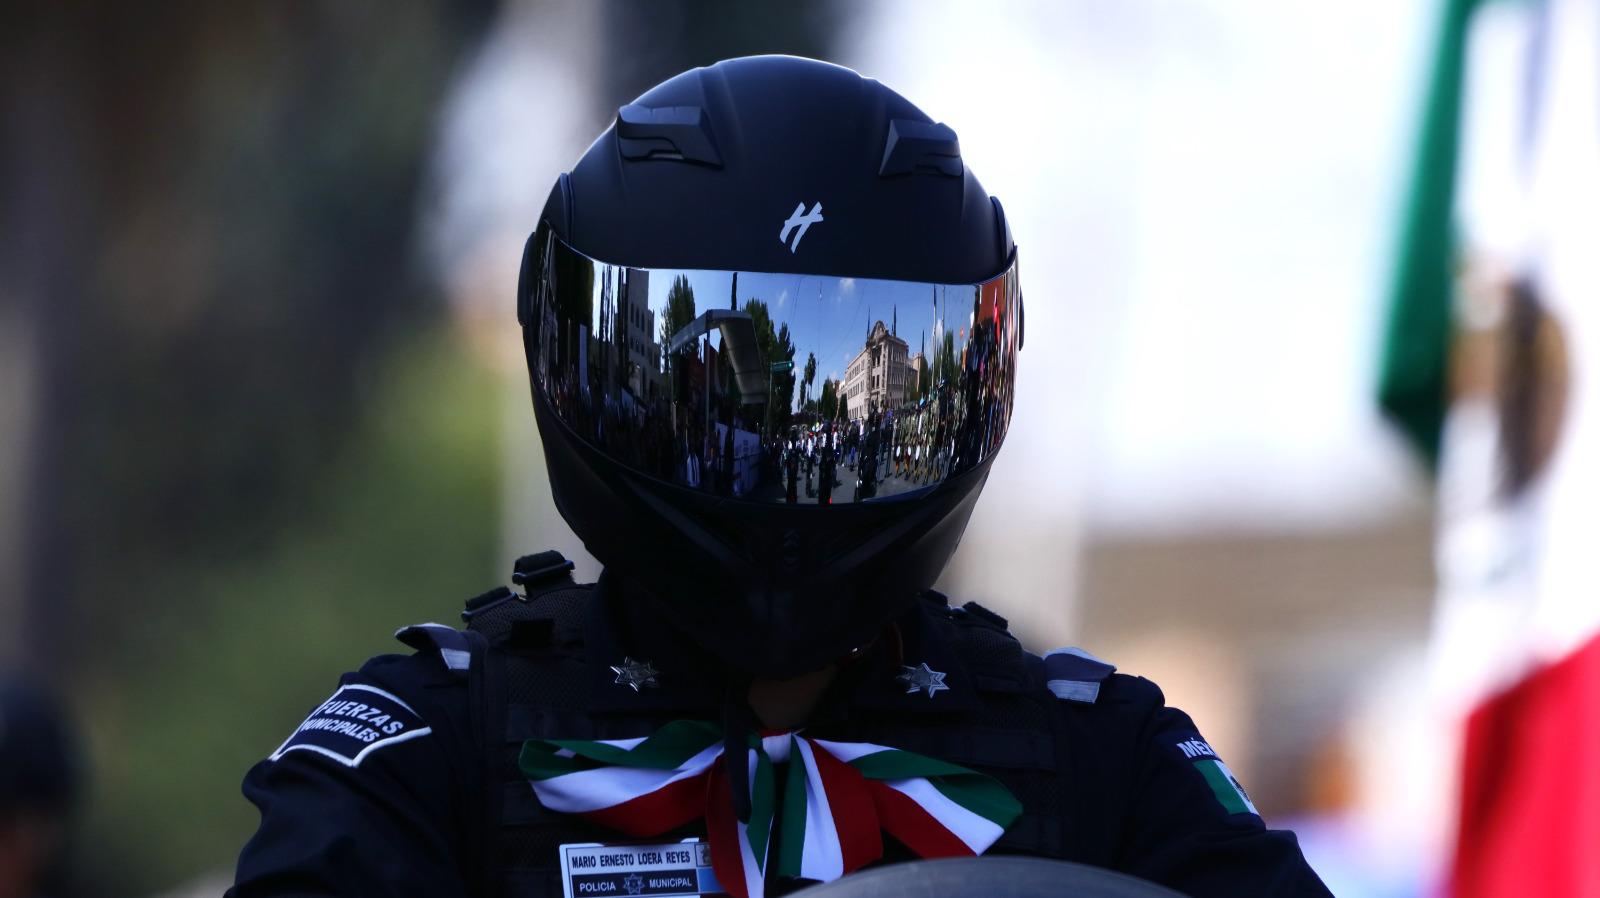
pixel 756 694
pixel 40 781
pixel 825 445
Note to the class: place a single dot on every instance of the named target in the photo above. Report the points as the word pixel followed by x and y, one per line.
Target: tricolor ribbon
pixel 837 799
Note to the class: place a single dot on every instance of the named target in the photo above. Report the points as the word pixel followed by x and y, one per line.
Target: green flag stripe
pixel 763 800
pixel 1230 798
pixel 980 795
pixel 667 749
pixel 1412 383
pixel 792 832
pixel 894 764
pixel 539 761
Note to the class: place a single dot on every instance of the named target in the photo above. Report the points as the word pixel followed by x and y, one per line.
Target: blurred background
pixel 262 398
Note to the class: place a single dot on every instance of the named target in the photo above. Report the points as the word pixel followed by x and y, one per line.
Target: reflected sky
pixel 828 316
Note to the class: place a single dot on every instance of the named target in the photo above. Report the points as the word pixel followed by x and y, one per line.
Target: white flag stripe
pixel 1564 191
pixel 602 787
pixel 755 883
pixel 977 831
pixel 823 857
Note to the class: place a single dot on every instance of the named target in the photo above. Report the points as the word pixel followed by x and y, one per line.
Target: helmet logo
pixel 802 218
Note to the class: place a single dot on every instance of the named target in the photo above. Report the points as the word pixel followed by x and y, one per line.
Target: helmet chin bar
pixel 773 591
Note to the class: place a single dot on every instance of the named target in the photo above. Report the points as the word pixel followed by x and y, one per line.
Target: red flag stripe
pixel 855 817
pixel 722 830
pixel 653 813
pixel 908 822
pixel 1530 803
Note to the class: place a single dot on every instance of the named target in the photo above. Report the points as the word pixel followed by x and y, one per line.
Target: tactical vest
pixel 528 678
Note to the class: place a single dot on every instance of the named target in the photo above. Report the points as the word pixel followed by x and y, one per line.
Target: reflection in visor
pixel 779 388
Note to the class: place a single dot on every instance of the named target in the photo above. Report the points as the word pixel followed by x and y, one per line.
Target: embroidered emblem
pixel 921 677
pixel 635 675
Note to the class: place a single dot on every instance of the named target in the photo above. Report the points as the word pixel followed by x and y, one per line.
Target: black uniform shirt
pixel 381 791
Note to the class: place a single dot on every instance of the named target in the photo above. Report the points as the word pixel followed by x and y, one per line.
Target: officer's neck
pixel 786 704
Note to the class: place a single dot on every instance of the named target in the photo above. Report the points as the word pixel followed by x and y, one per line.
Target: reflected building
pixel 879 376
pixel 636 332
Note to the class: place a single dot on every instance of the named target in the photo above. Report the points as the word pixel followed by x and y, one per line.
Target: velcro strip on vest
pixel 1074 675
pixel 451 643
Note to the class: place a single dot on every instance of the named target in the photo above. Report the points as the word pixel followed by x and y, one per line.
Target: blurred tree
pixel 252 453
pixel 208 213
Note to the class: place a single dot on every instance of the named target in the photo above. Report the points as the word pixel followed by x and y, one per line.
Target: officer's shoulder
pixel 1073 676
pixel 542 608
pixel 1087 684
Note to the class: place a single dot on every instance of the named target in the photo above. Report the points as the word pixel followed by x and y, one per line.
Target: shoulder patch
pixel 1074 675
pixel 354 722
pixel 1226 787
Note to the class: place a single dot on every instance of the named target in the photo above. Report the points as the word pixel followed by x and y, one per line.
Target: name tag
pixel 590 869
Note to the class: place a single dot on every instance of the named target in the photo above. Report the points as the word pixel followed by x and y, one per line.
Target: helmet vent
pixel 915 147
pixel 681 133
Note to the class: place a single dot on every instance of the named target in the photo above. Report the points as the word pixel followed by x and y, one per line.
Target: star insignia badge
pixel 921 677
pixel 635 675
pixel 634 883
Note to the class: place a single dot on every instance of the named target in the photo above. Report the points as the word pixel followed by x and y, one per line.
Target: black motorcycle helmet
pixel 737 226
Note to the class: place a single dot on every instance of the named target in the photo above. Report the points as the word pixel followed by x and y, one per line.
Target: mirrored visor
pixel 774 388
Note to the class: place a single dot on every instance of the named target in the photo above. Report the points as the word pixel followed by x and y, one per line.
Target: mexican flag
pixel 1492 370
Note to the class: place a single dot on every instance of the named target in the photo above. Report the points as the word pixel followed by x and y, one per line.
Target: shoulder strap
pixel 1074 675
pixel 451 644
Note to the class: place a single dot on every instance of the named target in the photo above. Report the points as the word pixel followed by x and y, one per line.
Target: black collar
pixel 691 682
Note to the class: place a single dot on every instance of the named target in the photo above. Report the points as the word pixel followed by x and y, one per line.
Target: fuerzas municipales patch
pixel 355 722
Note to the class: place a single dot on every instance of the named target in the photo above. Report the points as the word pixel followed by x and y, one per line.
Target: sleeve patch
pixel 1224 785
pixel 352 724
